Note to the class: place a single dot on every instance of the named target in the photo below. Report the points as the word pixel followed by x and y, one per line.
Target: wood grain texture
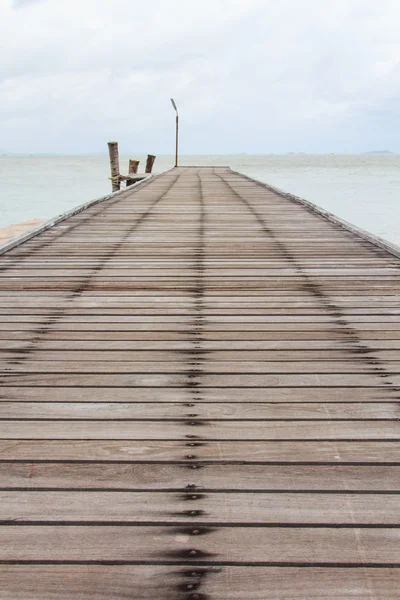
pixel 202 430
pixel 222 476
pixel 42 582
pixel 206 410
pixel 200 400
pixel 309 451
pixel 169 543
pixel 223 508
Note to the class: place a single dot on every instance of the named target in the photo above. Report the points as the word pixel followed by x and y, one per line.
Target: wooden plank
pixel 353 345
pixel 62 379
pixel 221 322
pixel 213 430
pixel 175 507
pixel 188 271
pixel 262 337
pixel 180 309
pixel 210 261
pixel 224 476
pixel 253 287
pixel 206 366
pixel 274 356
pixel 41 582
pixel 231 321
pixel 185 395
pixel 201 410
pixel 336 355
pixel 265 545
pixel 267 329
pixel 135 300
pixel 292 451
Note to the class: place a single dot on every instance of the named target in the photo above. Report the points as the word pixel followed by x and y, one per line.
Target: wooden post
pixel 150 163
pixel 133 166
pixel 133 169
pixel 114 163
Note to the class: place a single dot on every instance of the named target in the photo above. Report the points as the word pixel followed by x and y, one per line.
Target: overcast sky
pixel 254 76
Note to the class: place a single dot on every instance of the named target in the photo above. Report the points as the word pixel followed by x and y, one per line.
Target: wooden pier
pixel 200 401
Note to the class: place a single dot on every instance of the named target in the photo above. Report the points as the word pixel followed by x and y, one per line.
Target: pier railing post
pixel 150 163
pixel 133 166
pixel 133 169
pixel 114 164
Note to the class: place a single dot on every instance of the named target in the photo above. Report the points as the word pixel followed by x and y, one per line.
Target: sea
pixel 362 189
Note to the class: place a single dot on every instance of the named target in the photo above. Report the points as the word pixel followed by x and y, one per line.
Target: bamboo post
pixel 114 164
pixel 133 166
pixel 150 163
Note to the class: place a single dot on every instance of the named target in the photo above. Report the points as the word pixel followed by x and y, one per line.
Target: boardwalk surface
pixel 200 400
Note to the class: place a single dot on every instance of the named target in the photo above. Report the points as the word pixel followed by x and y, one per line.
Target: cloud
pixel 248 75
pixel 19 3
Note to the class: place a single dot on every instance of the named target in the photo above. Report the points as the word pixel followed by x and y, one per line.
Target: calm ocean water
pixel 364 189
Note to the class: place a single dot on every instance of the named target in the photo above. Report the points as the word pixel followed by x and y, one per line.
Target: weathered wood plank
pixel 262 338
pixel 230 328
pixel 213 430
pixel 313 546
pixel 67 582
pixel 378 378
pixel 187 344
pixel 188 271
pixel 201 410
pixel 185 395
pixel 280 356
pixel 175 507
pixel 292 451
pixel 222 476
pixel 206 366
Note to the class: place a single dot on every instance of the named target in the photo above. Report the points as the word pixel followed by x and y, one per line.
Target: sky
pixel 248 76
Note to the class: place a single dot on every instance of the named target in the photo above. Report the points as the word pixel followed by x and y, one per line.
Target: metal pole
pixel 176 143
pixel 177 131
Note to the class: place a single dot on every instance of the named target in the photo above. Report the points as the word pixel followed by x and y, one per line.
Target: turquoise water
pixel 363 189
